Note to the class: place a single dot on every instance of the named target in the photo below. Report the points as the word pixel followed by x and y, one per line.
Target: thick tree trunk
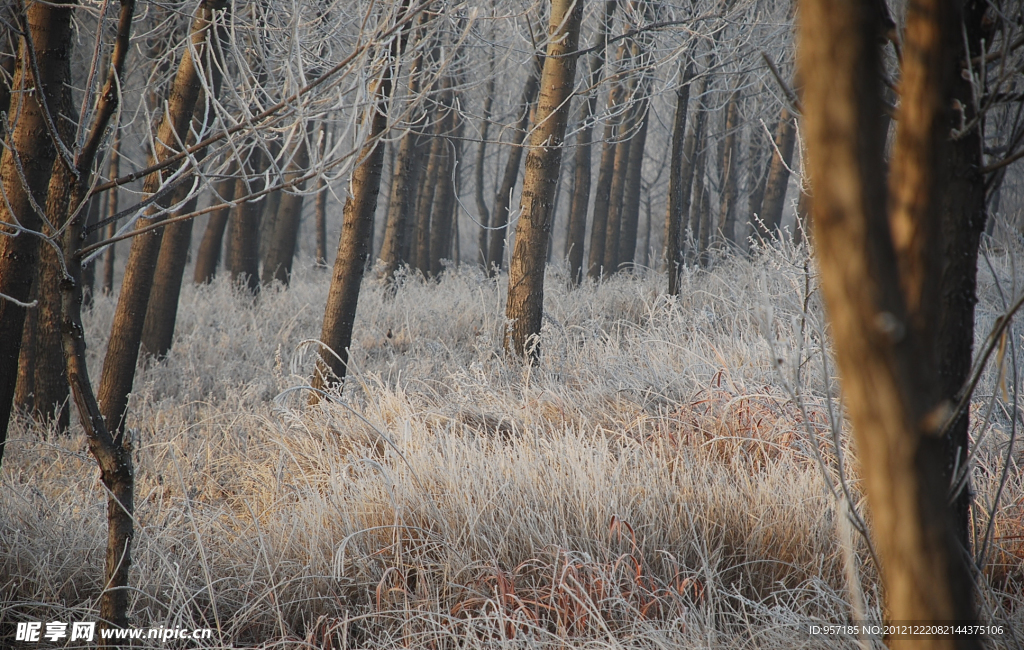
pixel 502 200
pixel 879 291
pixel 774 200
pixel 631 197
pixel 208 256
pixel 129 316
pixel 285 237
pixel 730 170
pixel 350 263
pixel 679 184
pixel 575 240
pixel 24 395
pixel 525 304
pixel 30 142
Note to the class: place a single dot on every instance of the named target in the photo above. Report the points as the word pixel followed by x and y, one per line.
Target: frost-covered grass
pixel 656 481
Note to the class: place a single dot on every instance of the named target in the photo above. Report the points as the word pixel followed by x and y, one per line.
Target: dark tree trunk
pixel 575 240
pixel 24 396
pixel 502 200
pixel 208 256
pixel 679 184
pixel 285 237
pixel 613 231
pixel 420 254
pixel 730 169
pixel 243 246
pixel 605 172
pixel 483 214
pixel 320 209
pixel 444 197
pixel 112 207
pixel 525 304
pixel 774 200
pixel 634 180
pixel 30 140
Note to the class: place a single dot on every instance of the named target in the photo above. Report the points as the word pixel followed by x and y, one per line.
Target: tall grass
pixel 662 478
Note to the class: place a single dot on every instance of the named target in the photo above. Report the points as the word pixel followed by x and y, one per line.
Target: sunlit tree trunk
pixel 420 253
pixel 526 268
pixel 30 142
pixel 880 290
pixel 129 316
pixel 350 263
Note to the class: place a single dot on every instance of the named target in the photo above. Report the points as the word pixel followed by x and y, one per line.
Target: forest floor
pixel 665 477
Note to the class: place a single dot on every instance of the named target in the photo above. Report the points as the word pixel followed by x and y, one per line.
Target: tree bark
pixel 575 240
pixel 876 287
pixel 243 245
pixel 677 209
pixel 350 263
pixel 502 200
pixel 605 173
pixel 129 316
pixel 320 209
pixel 420 253
pixel 730 170
pixel 483 213
pixel 281 250
pixel 444 197
pixel 208 256
pixel 524 307
pixel 30 142
pixel 634 179
pixel 613 229
pixel 112 206
pixel 774 200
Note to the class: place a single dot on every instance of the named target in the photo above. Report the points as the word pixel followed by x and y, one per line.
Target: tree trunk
pixel 321 207
pixel 24 395
pixel 774 200
pixel 29 142
pixel 444 198
pixel 730 169
pixel 243 246
pixel 208 256
pixel 575 240
pixel 526 269
pixel 699 225
pixel 281 251
pixel 420 254
pixel 404 178
pixel 343 296
pixel 483 214
pixel 502 200
pixel 634 179
pixel 613 231
pixel 112 206
pixel 879 292
pixel 129 316
pixel 605 172
pixel 679 184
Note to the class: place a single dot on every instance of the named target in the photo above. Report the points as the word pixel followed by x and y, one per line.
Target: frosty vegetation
pixel 665 476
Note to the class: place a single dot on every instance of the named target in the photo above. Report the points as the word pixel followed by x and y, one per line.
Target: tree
pixel 350 263
pixel 526 269
pixel 880 294
pixel 25 165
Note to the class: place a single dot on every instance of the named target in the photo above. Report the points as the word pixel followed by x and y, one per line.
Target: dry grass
pixel 653 483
